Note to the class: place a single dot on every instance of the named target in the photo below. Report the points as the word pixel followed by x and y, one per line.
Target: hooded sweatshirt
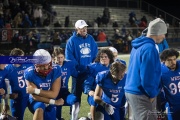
pixel 81 50
pixel 144 71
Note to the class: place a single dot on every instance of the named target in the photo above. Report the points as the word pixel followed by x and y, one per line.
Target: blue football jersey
pixel 67 69
pixel 16 79
pixel 93 69
pixel 171 85
pixel 113 93
pixel 43 83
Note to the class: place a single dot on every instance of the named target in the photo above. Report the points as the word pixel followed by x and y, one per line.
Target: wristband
pixel 37 91
pixel 52 101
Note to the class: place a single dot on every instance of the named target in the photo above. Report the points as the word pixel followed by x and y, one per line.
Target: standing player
pixel 82 49
pixel 109 93
pixel 67 70
pixel 17 85
pixel 43 84
pixel 102 62
pixel 170 81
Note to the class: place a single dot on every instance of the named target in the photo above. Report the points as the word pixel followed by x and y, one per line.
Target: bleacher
pixel 121 15
pixel 90 13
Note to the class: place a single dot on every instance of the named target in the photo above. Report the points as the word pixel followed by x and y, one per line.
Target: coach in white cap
pixel 82 49
pixel 144 72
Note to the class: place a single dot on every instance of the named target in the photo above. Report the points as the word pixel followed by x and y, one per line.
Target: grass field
pixel 84 109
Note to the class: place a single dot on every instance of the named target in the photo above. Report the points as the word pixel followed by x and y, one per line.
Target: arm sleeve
pixel 88 84
pixel 165 44
pixel 94 50
pixel 69 51
pixel 56 74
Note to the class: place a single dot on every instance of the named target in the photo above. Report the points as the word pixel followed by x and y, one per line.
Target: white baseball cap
pixel 80 24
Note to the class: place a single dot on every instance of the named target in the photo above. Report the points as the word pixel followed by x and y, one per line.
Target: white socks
pixel 75 111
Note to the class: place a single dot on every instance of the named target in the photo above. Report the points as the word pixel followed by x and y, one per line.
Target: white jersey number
pixel 174 88
pixel 114 98
pixel 21 82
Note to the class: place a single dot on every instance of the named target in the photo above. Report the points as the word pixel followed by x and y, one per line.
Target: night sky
pixel 169 6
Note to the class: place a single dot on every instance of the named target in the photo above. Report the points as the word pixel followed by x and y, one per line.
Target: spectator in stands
pixel 67 21
pixel 46 21
pixel 57 25
pixel 26 22
pixel 101 36
pixel 115 25
pixel 28 41
pixel 56 39
pixel 16 39
pixel 123 30
pixel 128 38
pixel 144 19
pixel 132 18
pixel 82 49
pixel 106 16
pixel 99 20
pixel 17 20
pixel 142 25
pixel 38 16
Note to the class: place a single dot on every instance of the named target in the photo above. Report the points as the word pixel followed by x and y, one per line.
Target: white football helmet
pixel 43 58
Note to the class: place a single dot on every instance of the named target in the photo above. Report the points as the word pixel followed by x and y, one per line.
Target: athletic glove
pixel 109 108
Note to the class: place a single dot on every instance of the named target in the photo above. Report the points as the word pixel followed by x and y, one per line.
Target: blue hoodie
pixel 82 51
pixel 144 71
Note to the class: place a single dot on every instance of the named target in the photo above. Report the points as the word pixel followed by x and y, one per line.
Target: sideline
pixel 123 55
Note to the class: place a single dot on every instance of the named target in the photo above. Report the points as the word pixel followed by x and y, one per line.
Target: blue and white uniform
pixel 113 94
pixel 43 83
pixel 18 85
pixel 90 83
pixel 171 85
pixel 67 70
